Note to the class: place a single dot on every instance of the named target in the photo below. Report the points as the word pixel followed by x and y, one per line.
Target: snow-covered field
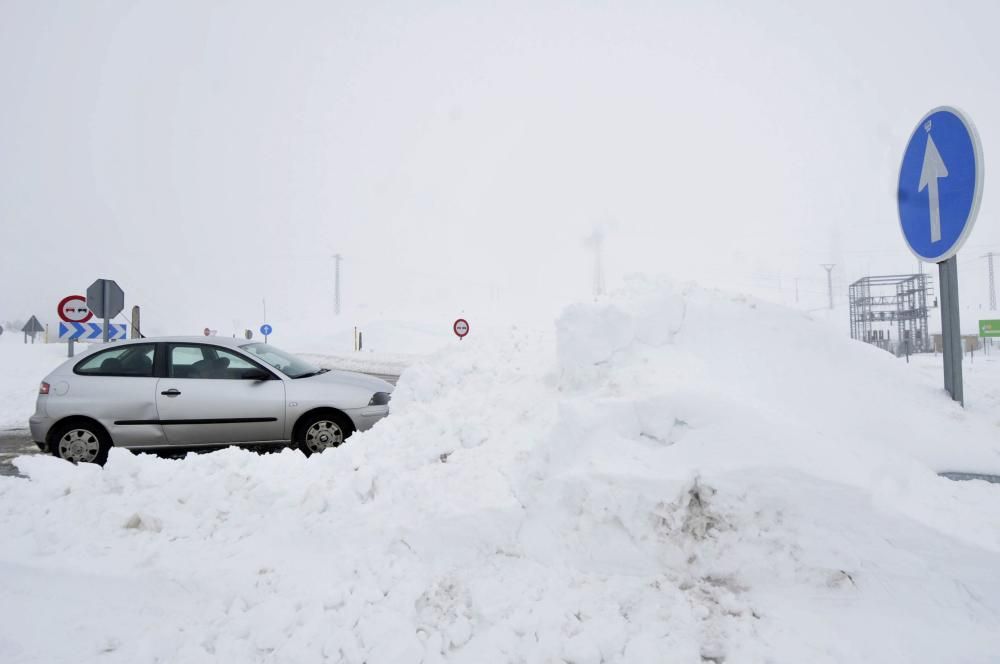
pixel 664 476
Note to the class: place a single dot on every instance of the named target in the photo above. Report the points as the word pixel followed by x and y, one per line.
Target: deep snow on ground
pixel 673 475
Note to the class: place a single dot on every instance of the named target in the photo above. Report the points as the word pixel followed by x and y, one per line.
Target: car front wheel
pixel 320 432
pixel 81 442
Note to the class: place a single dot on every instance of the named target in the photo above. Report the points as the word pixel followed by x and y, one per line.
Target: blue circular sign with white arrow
pixel 265 329
pixel 940 184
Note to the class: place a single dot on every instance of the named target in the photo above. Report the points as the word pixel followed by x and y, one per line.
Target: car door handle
pixel 171 393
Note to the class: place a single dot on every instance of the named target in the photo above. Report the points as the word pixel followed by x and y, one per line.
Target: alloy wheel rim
pixel 79 445
pixel 323 435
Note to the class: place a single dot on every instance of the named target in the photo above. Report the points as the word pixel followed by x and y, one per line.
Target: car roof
pixel 216 341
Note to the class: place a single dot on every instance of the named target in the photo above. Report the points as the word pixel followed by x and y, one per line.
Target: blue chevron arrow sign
pixel 91 331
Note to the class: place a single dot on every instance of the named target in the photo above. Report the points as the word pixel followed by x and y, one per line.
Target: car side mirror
pixel 255 374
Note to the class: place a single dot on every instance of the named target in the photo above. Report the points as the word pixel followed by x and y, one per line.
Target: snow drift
pixel 682 476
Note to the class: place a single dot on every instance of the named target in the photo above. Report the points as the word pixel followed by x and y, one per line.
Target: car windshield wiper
pixel 311 373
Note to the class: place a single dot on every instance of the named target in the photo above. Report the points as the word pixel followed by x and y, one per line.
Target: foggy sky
pixel 210 155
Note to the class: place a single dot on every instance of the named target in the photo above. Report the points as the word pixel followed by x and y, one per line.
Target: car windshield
pixel 286 363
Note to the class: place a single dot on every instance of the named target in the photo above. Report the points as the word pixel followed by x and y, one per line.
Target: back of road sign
pixel 32 327
pixel 105 298
pixel 940 184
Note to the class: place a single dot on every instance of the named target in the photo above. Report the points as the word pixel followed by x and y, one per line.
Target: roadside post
pixel 106 299
pixel 940 188
pixel 136 331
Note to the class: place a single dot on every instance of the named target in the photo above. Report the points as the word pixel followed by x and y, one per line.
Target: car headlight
pixel 380 399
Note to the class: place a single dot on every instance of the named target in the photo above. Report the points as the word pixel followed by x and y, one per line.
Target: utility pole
pixel 596 242
pixel 796 290
pixel 829 280
pixel 993 292
pixel 336 284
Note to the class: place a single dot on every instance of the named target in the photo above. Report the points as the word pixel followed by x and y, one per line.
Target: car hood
pixel 350 378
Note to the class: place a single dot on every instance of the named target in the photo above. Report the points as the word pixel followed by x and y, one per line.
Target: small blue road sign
pixel 91 331
pixel 265 329
pixel 940 184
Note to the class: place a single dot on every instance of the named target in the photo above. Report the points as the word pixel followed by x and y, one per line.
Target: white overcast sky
pixel 207 155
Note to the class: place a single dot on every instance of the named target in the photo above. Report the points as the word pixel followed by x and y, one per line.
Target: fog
pixel 210 156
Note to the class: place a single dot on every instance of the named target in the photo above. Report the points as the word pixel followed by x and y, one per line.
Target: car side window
pixel 135 360
pixel 209 362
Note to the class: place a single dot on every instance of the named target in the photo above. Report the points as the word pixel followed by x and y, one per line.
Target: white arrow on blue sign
pixel 940 184
pixel 266 329
pixel 91 331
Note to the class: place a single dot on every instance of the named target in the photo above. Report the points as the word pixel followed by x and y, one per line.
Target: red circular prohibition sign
pixel 72 313
pixel 461 327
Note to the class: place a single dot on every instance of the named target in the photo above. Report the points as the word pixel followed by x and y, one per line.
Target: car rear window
pixel 130 360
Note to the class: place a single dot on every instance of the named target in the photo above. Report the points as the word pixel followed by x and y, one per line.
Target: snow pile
pixel 631 489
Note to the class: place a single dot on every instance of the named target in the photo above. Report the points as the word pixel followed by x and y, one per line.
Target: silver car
pixel 199 392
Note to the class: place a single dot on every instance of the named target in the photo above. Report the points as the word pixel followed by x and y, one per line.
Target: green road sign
pixel 989 328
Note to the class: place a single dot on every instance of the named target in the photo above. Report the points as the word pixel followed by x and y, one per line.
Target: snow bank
pixel 672 476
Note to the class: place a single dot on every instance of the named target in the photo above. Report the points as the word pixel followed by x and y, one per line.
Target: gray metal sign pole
pixel 107 306
pixel 951 329
pixel 136 329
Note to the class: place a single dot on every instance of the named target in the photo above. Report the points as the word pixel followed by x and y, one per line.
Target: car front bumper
pixel 365 418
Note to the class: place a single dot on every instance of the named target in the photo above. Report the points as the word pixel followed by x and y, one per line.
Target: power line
pixel 336 283
pixel 829 279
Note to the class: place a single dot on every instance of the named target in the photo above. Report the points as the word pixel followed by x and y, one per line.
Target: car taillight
pixel 43 388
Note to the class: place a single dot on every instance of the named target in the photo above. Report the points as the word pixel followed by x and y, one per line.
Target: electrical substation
pixel 891 312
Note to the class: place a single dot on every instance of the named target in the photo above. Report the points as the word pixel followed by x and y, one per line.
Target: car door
pixel 210 396
pixel 117 387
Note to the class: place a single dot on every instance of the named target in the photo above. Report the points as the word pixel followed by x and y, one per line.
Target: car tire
pixel 81 441
pixel 321 432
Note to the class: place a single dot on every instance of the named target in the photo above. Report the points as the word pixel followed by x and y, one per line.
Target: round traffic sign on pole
pixel 207 332
pixel 461 328
pixel 940 187
pixel 940 184
pixel 266 329
pixel 73 309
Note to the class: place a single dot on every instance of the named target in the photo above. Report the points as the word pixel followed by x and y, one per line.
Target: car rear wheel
pixel 321 432
pixel 81 442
